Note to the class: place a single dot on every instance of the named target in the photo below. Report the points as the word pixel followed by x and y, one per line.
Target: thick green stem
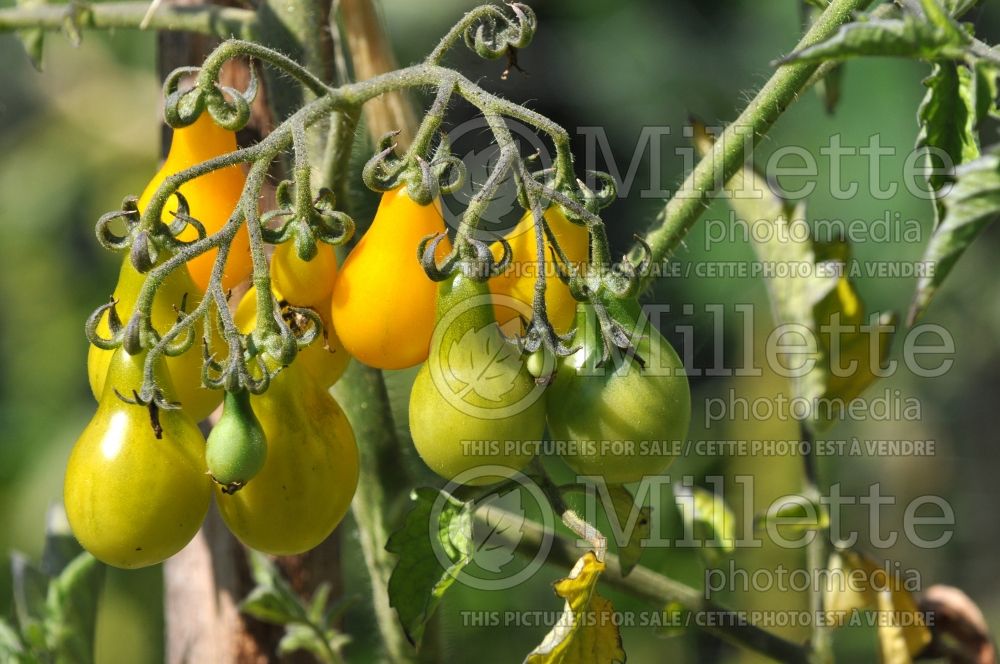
pixel 361 391
pixel 816 554
pixel 735 144
pixel 296 29
pixel 585 531
pixel 337 153
pixel 212 20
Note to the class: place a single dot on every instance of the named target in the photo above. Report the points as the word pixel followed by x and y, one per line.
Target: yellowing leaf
pixel 708 518
pixel 855 583
pixel 840 600
pixel 586 633
pixel 824 315
pixel 892 642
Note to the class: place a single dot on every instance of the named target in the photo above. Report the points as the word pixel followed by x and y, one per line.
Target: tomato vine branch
pixel 656 588
pixel 584 530
pixel 419 169
pixel 212 20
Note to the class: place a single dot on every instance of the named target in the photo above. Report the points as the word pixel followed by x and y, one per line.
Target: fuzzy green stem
pixel 457 31
pixel 265 324
pixel 432 120
pixel 580 527
pixel 211 20
pixel 241 48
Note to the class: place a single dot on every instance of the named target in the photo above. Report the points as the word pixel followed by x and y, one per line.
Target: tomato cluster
pixel 281 460
pixel 282 465
pixel 479 403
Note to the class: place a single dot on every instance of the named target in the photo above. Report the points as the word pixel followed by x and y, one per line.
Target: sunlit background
pixel 84 133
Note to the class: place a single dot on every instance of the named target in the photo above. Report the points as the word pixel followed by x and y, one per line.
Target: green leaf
pixel 502 515
pixel 937 14
pixel 625 510
pixel 307 627
pixel 971 205
pixel 959 7
pixel 986 90
pixel 830 86
pixel 674 617
pixel 262 570
pixel 419 581
pixel 795 516
pixel 948 123
pixel 72 610
pixel 271 606
pixel 273 600
pixel 30 590
pixel 302 637
pixel 707 517
pixel 32 39
pixel 930 38
pixel 326 648
pixel 10 642
pixel 317 604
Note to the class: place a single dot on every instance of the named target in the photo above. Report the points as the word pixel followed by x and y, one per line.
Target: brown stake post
pixel 205 582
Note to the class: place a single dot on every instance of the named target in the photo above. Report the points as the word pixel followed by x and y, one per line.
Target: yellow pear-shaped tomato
pixel 324 362
pixel 476 414
pixel 185 369
pixel 211 198
pixel 304 283
pixel 308 479
pixel 133 499
pixel 383 302
pixel 518 281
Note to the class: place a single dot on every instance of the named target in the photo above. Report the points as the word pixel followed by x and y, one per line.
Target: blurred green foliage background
pixel 77 138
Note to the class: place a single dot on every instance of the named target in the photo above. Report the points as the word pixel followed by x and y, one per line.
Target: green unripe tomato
pixel 476 413
pixel 541 364
pixel 237 447
pixel 620 421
